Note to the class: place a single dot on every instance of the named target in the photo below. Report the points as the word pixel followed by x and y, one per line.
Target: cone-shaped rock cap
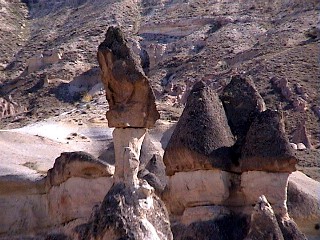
pixel 130 97
pixel 202 137
pixel 266 146
pixel 242 102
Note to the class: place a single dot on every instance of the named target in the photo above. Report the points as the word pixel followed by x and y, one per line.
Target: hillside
pixel 180 42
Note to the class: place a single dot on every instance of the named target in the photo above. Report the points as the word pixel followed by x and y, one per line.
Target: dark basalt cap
pixel 266 145
pixel 202 137
pixel 242 102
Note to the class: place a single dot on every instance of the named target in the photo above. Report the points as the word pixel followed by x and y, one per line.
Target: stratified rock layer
pixel 266 146
pixel 130 97
pixel 202 137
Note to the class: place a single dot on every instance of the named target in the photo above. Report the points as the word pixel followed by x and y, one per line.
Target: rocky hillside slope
pixel 49 46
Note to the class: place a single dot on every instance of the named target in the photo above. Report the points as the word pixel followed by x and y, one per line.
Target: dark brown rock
pixel 266 146
pixel 130 97
pixel 202 137
pixel 242 102
pixel 154 173
pixel 229 227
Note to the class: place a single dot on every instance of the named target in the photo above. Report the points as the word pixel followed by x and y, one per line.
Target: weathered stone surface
pixel 38 61
pixel 300 135
pixel 266 146
pixel 203 213
pixel 272 185
pixel 289 229
pixel 127 146
pixel 128 214
pixel 75 198
pixel 304 203
pixel 202 137
pixel 242 102
pixel 32 204
pixel 154 173
pixel 21 213
pixel 76 164
pixel 130 97
pixel 264 223
pixel 197 188
pixel 10 108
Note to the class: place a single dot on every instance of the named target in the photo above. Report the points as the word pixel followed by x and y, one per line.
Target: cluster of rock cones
pixel 227 164
pixel 225 155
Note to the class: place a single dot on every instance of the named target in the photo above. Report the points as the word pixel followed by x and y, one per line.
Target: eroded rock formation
pixel 258 163
pixel 264 223
pixel 242 102
pixel 125 214
pixel 10 108
pixel 130 97
pixel 60 201
pixel 300 135
pixel 202 137
pixel 266 146
pixel 130 209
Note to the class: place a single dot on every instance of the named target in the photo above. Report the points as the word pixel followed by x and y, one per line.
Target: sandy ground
pixel 34 148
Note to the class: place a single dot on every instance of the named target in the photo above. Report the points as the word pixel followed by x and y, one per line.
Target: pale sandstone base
pixel 71 200
pixel 272 185
pixel 127 147
pixel 197 188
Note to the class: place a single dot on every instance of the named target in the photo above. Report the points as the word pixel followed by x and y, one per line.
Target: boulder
pixel 301 147
pixel 76 164
pixel 202 137
pixel 31 203
pixel 242 102
pixel 10 108
pixel 264 223
pixel 266 145
pixel 196 188
pixel 300 135
pixel 304 203
pixel 130 97
pixel 299 104
pixel 289 229
pixel 128 214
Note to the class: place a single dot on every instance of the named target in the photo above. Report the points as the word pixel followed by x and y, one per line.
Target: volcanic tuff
pixel 49 66
pixel 130 97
